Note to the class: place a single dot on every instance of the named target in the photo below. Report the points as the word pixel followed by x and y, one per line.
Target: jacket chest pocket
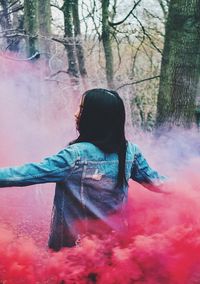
pixel 98 179
pixel 93 174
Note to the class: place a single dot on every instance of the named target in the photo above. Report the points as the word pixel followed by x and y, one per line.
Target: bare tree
pixel 31 25
pixel 44 15
pixel 8 24
pixel 69 37
pixel 106 38
pixel 78 38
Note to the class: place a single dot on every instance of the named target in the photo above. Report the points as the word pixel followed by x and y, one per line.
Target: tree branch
pixel 120 22
pixel 56 6
pixel 13 3
pixel 34 56
pixel 14 10
pixel 136 53
pixel 118 51
pixel 58 72
pixel 147 35
pixel 137 82
pixel 164 8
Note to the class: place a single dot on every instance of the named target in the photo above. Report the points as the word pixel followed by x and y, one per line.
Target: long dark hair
pixel 101 122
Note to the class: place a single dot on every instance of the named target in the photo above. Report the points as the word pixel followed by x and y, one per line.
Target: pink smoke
pixel 162 244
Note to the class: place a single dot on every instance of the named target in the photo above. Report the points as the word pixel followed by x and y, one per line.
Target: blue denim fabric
pixel 85 180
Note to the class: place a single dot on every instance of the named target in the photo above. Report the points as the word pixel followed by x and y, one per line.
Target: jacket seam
pixel 74 164
pixel 101 162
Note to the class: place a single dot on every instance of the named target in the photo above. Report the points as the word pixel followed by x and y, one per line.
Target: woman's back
pixel 90 192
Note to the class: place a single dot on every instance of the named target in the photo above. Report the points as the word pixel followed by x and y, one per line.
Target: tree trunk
pixel 180 65
pixel 78 41
pixel 5 17
pixel 69 37
pixel 5 22
pixel 31 25
pixel 44 12
pixel 17 24
pixel 107 43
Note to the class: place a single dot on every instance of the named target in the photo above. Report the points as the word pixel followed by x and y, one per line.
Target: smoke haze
pixel 162 244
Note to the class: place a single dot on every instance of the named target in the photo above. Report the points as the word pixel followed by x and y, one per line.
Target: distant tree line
pixel 177 45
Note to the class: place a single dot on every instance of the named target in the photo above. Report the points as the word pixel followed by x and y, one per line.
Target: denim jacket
pixel 85 180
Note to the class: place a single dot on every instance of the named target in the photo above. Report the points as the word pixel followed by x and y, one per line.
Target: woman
pixel 92 173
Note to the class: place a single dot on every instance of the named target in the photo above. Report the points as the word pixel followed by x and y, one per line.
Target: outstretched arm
pixel 52 169
pixel 142 173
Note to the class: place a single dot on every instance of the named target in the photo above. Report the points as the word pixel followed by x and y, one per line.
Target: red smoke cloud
pixel 162 244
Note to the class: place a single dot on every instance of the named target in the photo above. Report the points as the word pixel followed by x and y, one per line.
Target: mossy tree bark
pixel 180 66
pixel 106 38
pixel 78 41
pixel 69 37
pixel 5 22
pixel 31 25
pixel 17 24
pixel 44 12
pixel 5 17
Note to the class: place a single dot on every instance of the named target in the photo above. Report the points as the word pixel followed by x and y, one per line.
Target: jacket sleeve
pixel 52 169
pixel 142 173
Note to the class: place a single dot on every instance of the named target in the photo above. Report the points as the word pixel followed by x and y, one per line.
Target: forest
pixel 51 51
pixel 147 50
